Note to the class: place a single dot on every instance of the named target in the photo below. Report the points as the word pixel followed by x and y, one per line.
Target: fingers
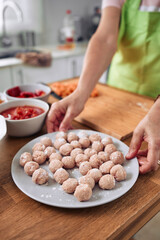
pixel 142 153
pixel 54 118
pixel 149 163
pixel 66 123
pixel 135 143
pixel 144 165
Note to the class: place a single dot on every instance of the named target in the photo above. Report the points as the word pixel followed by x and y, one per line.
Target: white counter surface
pixel 7 62
pixel 79 49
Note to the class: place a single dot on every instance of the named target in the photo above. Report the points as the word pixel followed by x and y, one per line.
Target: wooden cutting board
pixel 114 111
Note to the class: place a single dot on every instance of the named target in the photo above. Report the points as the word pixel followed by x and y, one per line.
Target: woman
pixel 131 37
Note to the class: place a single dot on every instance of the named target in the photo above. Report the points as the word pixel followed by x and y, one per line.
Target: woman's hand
pixel 63 112
pixel 148 130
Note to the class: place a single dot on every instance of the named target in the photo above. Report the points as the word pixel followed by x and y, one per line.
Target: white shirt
pixel 146 5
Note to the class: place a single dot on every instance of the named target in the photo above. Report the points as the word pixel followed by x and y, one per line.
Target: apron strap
pixel 133 3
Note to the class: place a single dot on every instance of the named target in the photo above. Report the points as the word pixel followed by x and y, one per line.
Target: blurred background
pixel 45 41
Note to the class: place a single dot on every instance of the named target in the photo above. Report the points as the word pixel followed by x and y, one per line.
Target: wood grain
pixel 23 218
pixel 114 111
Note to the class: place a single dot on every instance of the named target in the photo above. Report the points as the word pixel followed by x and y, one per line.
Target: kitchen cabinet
pixel 61 68
pixel 57 71
pixel 74 66
pixel 17 75
pixel 10 76
pixel 5 78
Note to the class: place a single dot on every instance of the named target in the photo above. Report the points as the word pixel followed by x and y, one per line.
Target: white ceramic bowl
pixel 25 127
pixel 31 88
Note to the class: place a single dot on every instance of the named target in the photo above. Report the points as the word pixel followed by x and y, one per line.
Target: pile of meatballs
pixel 98 161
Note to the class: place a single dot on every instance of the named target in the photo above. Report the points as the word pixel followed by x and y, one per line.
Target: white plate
pixel 2 97
pixel 3 127
pixel 52 194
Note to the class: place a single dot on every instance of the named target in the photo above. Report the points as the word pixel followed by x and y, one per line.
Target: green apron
pixel 135 66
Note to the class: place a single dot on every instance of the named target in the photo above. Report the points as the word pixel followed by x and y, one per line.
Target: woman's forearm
pixel 98 57
pixel 100 51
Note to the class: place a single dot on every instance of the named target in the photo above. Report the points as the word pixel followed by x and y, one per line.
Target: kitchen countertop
pixel 79 49
pixel 23 218
pixel 56 53
pixel 8 62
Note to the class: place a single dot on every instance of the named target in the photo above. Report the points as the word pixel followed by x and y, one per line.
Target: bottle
pixel 95 19
pixel 68 28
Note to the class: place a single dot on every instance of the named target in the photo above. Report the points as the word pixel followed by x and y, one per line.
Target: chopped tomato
pixel 16 92
pixel 65 89
pixel 26 95
pixel 22 112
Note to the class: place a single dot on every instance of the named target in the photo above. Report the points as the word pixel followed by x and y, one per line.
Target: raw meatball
pixel 80 158
pixel 72 137
pixel 76 144
pixel 95 161
pixel 106 167
pixel 104 156
pixel 89 152
pixel 85 142
pixel 70 185
pixel 75 152
pixel 95 174
pixel 54 156
pixel 110 148
pixel 106 140
pixel 61 135
pixel 38 147
pixel 54 165
pixel 107 182
pixel 117 157
pixel 46 141
pixel 85 167
pixel 39 157
pixel 66 149
pixel 82 134
pixel 118 172
pixel 59 142
pixel 87 180
pixel 83 192
pixel 24 158
pixel 61 175
pixel 98 146
pixel 49 150
pixel 30 167
pixel 40 176
pixel 68 162
pixel 94 137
